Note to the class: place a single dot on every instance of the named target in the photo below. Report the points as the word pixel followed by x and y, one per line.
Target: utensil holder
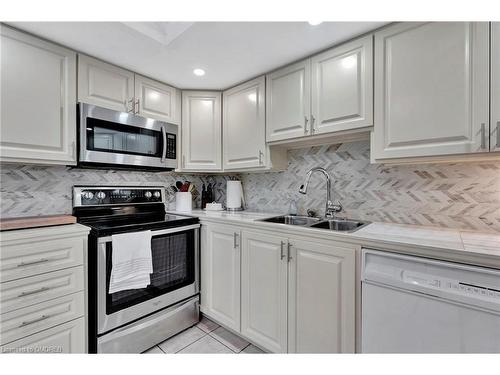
pixel 183 202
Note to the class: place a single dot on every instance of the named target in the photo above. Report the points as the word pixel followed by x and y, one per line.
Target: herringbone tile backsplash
pixel 461 195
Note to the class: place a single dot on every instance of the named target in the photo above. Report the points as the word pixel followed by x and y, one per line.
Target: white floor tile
pixel 181 340
pixel 252 349
pixel 206 345
pixel 207 325
pixel 235 343
pixel 154 350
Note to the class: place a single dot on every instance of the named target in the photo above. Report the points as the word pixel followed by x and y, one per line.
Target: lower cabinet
pixel 220 274
pixel 297 295
pixel 264 290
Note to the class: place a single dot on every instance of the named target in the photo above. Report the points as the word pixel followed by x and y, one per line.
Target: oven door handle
pixel 164 151
pixel 158 232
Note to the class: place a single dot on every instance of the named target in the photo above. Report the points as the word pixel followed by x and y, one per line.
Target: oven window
pixel 173 268
pixel 111 137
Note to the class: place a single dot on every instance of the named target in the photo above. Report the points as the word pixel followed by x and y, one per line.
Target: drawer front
pixel 65 338
pixel 28 291
pixel 23 322
pixel 33 258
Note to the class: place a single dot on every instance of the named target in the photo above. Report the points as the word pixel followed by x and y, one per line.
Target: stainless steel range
pixel 133 320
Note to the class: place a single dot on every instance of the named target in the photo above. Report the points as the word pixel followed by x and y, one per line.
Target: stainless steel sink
pixel 292 220
pixel 340 225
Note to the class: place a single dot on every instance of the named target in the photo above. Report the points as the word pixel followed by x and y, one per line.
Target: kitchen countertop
pixel 35 221
pixel 441 243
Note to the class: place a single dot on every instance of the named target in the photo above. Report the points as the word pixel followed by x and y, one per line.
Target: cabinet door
pixel 105 85
pixel 288 93
pixel 38 100
pixel 495 87
pixel 156 100
pixel 431 89
pixel 264 291
pixel 321 298
pixel 342 87
pixel 201 130
pixel 65 338
pixel 244 137
pixel 220 274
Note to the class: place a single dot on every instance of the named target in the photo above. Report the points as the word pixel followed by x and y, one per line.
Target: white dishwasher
pixel 419 305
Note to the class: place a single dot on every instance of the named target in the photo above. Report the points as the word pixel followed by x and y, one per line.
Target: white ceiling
pixel 229 52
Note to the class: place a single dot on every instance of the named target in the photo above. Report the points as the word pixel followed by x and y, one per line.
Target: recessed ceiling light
pixel 315 23
pixel 199 72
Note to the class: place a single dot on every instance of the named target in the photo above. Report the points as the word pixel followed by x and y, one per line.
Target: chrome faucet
pixel 330 209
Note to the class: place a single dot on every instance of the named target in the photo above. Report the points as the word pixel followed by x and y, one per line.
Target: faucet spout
pixel 330 207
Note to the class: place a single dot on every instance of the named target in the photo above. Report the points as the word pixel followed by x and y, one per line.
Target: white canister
pixel 183 202
pixel 234 195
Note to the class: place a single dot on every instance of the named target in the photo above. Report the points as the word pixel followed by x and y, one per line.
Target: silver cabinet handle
pixel 28 322
pixel 498 134
pixel 235 239
pixel 23 264
pixel 164 138
pixel 306 120
pixel 288 248
pixel 483 136
pixel 138 106
pixel 42 289
pixel 260 157
pixel 73 149
pixel 282 254
pixel 313 120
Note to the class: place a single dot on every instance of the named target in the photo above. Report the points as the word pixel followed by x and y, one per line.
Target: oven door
pixel 175 277
pixel 121 138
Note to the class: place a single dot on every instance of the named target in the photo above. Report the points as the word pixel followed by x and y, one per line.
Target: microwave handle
pixel 164 151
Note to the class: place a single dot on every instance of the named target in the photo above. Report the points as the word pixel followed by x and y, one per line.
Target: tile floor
pixel 205 337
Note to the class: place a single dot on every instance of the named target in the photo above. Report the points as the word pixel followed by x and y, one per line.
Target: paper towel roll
pixel 233 195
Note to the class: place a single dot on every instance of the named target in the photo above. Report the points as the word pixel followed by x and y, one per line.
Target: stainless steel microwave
pixel 113 139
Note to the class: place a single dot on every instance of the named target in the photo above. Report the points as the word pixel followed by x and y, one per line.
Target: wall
pixel 28 190
pixel 461 195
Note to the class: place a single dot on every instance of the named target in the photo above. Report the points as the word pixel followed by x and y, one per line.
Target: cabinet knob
pixel 498 135
pixel 483 136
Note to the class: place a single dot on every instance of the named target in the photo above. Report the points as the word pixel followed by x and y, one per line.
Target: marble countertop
pixel 442 243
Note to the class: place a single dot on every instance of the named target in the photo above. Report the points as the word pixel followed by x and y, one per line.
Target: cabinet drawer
pixel 65 338
pixel 33 258
pixel 23 322
pixel 35 289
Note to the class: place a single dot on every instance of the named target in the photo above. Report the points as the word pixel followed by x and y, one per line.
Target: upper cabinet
pixel 495 87
pixel 342 87
pixel 244 129
pixel 111 87
pixel 38 100
pixel 156 100
pixel 431 89
pixel 105 85
pixel 328 93
pixel 288 102
pixel 201 131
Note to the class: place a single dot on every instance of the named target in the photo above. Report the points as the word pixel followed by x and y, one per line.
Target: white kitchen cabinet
pixel 220 274
pixel 288 107
pixel 38 100
pixel 431 89
pixel 321 290
pixel 244 126
pixel 342 87
pixel 201 131
pixel 495 87
pixel 105 85
pixel 264 290
pixel 156 100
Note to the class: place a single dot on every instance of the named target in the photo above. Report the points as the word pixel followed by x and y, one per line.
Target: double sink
pixel 338 225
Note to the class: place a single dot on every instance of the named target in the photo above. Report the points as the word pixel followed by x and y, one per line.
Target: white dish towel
pixel 131 261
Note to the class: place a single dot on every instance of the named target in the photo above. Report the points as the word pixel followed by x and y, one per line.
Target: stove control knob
pixel 101 195
pixel 157 194
pixel 148 194
pixel 88 195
